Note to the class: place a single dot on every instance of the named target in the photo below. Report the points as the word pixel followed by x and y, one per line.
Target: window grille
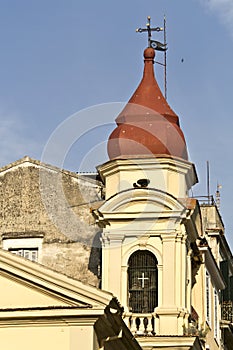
pixel 29 253
pixel 227 311
pixel 142 282
pixel 216 313
pixel 208 299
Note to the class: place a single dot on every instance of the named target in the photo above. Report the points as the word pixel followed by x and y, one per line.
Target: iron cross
pixel 143 278
pixel 149 30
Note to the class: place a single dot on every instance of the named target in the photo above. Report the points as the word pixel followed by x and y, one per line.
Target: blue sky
pixel 59 57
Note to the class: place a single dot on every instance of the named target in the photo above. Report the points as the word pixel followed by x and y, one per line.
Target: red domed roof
pixel 147 126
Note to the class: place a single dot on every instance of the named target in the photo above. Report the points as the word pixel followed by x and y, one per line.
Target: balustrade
pixel 140 324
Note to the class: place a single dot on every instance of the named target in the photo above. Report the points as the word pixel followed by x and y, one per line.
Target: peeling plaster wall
pixel 36 200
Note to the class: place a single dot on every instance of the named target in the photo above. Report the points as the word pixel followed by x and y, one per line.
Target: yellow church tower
pixel 150 225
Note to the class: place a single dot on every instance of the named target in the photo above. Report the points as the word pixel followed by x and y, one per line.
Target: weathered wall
pixel 211 218
pixel 43 200
pixel 74 257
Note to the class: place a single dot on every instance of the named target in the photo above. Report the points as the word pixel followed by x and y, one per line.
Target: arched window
pixel 142 282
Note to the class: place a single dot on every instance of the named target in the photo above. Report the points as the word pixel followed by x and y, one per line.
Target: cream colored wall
pixel 170 175
pixel 41 309
pixel 212 227
pixel 17 295
pixel 211 339
pixel 150 220
pixel 116 254
pixel 170 251
pixel 166 240
pixel 198 295
pixel 48 337
pixel 199 303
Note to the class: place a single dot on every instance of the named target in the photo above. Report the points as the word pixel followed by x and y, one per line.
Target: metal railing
pixel 208 200
pixel 227 311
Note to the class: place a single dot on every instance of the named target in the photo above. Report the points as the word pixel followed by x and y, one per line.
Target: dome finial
pixel 147 126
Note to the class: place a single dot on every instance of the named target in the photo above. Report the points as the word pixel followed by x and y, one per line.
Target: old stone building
pixel 45 215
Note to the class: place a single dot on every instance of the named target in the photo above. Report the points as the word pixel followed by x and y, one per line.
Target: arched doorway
pixel 142 282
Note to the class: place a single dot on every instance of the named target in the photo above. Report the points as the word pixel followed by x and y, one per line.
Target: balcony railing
pixel 140 324
pixel 208 200
pixel 227 311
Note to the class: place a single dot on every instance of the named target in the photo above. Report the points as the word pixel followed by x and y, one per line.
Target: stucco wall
pixel 37 200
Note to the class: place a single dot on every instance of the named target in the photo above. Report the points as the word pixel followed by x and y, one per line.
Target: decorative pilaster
pixel 172 312
pixel 112 255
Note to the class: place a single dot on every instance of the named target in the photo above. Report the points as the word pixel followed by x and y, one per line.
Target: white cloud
pixel 224 9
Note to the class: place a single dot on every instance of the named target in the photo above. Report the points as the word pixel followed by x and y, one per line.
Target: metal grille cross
pixel 143 278
pixel 148 29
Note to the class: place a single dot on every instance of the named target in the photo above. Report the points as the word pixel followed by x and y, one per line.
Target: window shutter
pixel 231 289
pixel 225 273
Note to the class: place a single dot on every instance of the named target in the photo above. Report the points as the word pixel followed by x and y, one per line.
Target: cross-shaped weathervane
pixel 156 45
pixel 143 278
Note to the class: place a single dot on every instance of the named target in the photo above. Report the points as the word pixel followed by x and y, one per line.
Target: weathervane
pixel 156 45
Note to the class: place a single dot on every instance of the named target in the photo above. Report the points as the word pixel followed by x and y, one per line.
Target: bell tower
pixel 147 217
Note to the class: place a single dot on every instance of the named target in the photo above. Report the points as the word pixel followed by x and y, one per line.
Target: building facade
pixel 125 260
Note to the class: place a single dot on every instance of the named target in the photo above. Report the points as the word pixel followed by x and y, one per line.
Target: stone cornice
pixel 213 268
pixel 65 316
pixel 171 342
pixel 176 164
